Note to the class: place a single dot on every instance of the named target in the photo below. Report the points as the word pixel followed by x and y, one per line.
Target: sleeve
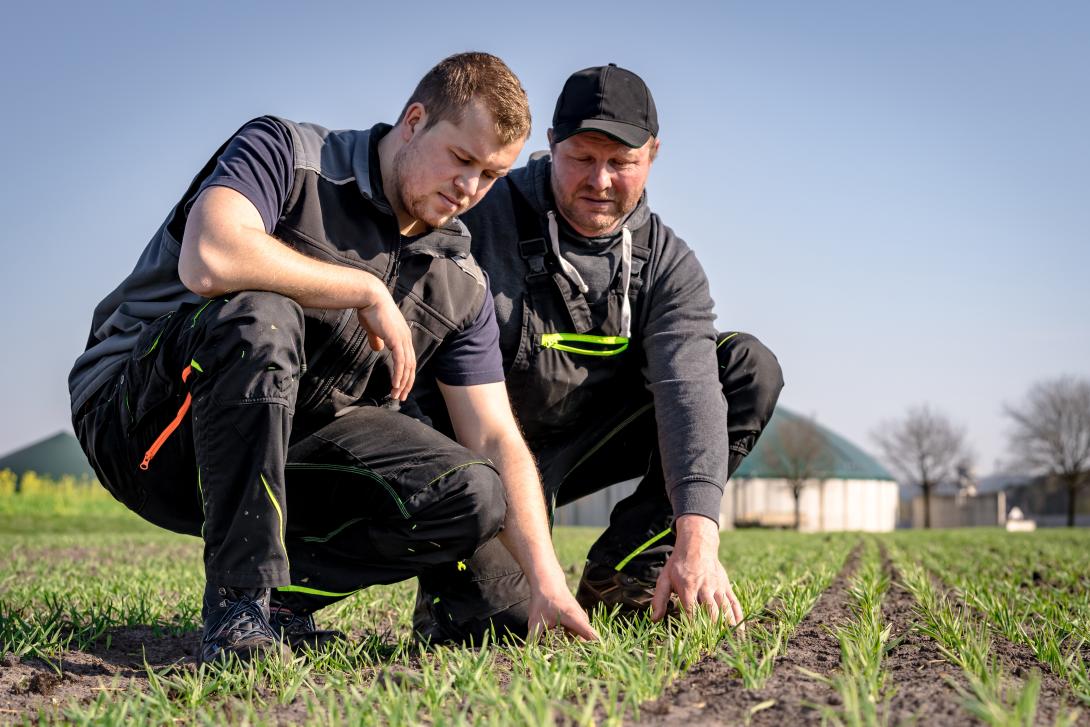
pixel 259 164
pixel 472 356
pixel 682 373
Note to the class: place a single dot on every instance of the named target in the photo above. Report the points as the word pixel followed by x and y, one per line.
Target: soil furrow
pixel 1019 661
pixel 712 693
pixel 920 681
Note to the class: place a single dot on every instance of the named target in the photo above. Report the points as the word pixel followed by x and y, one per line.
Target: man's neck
pixel 387 148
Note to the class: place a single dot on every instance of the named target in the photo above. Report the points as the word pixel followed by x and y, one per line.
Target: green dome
pixel 840 459
pixel 54 456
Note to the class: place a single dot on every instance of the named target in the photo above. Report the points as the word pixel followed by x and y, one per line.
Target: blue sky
pixel 893 197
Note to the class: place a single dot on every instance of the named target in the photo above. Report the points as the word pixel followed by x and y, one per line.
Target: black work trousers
pixel 195 435
pixel 491 590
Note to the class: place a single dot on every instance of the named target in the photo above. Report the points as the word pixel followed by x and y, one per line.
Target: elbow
pixel 198 275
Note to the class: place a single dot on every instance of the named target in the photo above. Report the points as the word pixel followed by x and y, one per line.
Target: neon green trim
pixel 279 513
pixel 200 488
pixel 316 592
pixel 354 470
pixel 642 548
pixel 194 364
pixel 461 565
pixel 154 345
pixel 720 344
pixel 556 340
pixel 455 469
pixel 199 311
pixel 327 538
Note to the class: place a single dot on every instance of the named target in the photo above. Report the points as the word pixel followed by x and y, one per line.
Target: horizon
pixel 892 199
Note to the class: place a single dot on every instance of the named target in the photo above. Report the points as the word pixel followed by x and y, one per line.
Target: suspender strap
pixel 543 277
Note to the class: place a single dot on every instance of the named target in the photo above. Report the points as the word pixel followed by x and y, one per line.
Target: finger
pixel 725 610
pixel 707 597
pixel 410 368
pixel 397 371
pixel 374 341
pixel 578 624
pixel 661 597
pixel 687 595
pixel 736 610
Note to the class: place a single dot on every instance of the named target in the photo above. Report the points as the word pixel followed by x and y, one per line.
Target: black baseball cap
pixel 607 99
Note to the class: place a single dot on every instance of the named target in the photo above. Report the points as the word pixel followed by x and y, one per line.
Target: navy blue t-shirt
pixel 259 164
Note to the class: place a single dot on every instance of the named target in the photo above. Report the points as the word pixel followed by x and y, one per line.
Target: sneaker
pixel 298 630
pixel 603 584
pixel 236 621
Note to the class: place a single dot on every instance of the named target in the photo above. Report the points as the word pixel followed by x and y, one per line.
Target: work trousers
pixel 491 591
pixel 195 434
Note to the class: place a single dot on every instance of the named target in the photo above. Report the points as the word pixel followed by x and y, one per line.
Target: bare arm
pixel 225 248
pixel 483 422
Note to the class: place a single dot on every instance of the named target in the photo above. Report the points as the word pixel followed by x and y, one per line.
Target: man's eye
pixel 459 157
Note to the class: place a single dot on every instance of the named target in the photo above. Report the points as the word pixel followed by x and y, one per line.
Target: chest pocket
pixel 571 358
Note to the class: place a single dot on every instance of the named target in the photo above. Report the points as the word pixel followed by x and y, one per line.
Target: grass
pixel 993 696
pixel 79 573
pixel 864 641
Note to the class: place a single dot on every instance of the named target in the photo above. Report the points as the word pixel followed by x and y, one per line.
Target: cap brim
pixel 627 134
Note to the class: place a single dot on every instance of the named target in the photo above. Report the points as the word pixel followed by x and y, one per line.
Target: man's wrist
pixel 696 531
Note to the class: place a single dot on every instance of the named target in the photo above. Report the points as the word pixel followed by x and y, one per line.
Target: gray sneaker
pixel 236 621
pixel 298 630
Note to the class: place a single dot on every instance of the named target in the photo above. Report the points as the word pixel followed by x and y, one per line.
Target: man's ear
pixel 654 147
pixel 413 121
pixel 549 134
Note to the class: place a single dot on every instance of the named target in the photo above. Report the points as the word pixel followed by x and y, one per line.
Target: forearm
pixel 225 248
pixel 526 527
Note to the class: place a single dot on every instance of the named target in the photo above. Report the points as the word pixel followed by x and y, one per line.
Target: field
pixel 99 620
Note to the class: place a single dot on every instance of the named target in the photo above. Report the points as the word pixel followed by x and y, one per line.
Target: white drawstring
pixel 567 267
pixel 626 273
pixel 577 279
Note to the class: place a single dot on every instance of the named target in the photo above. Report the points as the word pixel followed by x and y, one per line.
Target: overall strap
pixel 544 279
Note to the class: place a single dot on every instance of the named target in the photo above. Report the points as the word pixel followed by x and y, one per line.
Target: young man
pixel 614 368
pixel 243 382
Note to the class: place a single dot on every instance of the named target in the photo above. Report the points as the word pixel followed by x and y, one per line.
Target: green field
pixel 99 614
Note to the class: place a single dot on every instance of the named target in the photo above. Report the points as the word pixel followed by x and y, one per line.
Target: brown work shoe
pixel 604 585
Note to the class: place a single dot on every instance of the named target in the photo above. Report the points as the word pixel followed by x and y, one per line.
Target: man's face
pixel 597 181
pixel 443 170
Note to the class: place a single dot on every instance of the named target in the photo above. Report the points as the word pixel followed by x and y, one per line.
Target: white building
pixel 850 489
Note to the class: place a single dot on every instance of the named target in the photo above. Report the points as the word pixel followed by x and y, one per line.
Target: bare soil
pixel 1018 660
pixel 922 686
pixel 712 692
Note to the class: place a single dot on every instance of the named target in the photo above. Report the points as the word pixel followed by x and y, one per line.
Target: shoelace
pixel 290 622
pixel 245 618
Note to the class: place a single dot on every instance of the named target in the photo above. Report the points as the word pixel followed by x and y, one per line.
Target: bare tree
pixel 799 453
pixel 1051 434
pixel 925 448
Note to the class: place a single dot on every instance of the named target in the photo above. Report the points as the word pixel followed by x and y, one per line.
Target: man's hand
pixel 386 328
pixel 694 573
pixel 555 607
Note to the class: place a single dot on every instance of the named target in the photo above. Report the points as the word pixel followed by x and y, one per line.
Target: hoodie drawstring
pixel 626 274
pixel 577 279
pixel 569 269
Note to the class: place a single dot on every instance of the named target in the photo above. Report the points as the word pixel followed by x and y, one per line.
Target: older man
pixel 242 383
pixel 614 369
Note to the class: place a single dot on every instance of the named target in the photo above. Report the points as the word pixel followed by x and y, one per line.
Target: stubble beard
pixel 415 206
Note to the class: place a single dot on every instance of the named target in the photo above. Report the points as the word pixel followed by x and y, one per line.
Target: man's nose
pixel 467 184
pixel 599 177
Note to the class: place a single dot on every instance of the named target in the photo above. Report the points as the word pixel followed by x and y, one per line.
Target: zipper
pixel 352 350
pixel 165 434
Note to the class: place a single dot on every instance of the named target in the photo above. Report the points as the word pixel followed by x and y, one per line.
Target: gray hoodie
pixel 672 340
